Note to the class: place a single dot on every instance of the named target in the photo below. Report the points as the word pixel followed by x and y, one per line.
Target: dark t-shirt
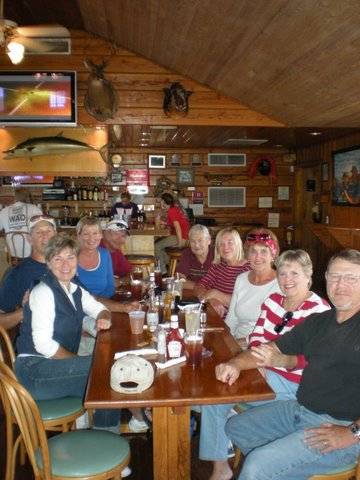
pixel 17 280
pixel 190 266
pixel 331 379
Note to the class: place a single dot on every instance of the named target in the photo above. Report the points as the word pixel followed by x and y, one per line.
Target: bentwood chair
pixel 58 414
pixel 346 472
pixel 15 243
pixel 87 454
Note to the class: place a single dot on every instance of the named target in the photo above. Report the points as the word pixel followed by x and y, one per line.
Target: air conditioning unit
pixel 226 197
pixel 227 159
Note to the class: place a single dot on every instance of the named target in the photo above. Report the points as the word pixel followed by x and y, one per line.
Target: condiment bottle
pixel 168 299
pixel 174 341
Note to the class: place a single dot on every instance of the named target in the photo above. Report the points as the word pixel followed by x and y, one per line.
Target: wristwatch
pixel 355 430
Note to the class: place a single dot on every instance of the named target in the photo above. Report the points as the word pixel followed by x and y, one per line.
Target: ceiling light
pixel 314 134
pixel 246 141
pixel 15 52
pixel 163 127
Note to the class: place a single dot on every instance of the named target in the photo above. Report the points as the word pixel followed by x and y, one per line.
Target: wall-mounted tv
pixel 41 99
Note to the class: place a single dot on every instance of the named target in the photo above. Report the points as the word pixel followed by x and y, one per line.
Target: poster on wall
pixel 346 178
pixel 137 181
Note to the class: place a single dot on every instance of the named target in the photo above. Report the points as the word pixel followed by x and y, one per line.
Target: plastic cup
pixel 192 320
pixel 137 320
pixel 193 348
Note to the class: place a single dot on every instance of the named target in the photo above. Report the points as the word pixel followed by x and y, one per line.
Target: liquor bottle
pixel 174 341
pixel 101 194
pixel 152 317
pixel 90 194
pixel 96 193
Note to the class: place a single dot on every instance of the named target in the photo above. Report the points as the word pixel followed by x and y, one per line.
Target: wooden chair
pixel 346 472
pixel 142 261
pixel 57 414
pixel 15 250
pixel 87 454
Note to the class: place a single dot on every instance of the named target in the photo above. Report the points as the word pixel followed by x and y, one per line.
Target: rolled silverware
pixel 212 329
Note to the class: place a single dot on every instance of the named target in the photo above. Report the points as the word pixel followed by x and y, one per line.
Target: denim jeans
pixel 47 378
pixel 213 439
pixel 271 436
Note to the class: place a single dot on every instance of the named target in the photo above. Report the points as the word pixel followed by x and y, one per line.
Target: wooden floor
pixel 141 458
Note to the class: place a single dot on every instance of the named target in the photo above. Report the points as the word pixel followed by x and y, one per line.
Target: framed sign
pixel 265 202
pixel 157 161
pixel 283 193
pixel 185 176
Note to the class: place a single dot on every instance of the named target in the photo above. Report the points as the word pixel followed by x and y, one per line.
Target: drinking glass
pixel 137 320
pixel 193 348
pixel 192 320
pixel 136 289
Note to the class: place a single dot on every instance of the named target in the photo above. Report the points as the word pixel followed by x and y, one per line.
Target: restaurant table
pixel 174 390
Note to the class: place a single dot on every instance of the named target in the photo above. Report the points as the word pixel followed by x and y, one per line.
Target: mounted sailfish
pixel 57 145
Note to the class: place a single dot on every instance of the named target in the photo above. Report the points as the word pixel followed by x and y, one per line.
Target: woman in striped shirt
pixel 217 285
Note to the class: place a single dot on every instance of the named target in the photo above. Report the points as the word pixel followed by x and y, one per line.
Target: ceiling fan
pixel 17 40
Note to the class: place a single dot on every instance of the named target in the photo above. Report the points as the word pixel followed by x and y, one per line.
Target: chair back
pixel 15 243
pixel 7 354
pixel 18 402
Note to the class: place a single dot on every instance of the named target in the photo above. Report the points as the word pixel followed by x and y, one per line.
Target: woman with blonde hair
pixel 217 285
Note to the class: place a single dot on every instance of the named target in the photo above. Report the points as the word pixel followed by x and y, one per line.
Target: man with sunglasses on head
pixel 319 431
pixel 114 237
pixel 21 277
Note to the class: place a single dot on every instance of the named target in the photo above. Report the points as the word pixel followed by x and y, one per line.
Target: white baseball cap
pixel 131 374
pixel 118 226
pixel 35 219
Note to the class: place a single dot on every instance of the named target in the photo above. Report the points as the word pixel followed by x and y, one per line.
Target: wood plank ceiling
pixel 297 61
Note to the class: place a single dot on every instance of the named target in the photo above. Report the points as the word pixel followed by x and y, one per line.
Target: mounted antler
pixel 101 100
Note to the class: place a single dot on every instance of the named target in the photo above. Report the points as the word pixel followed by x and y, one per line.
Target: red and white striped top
pixel 272 313
pixel 222 276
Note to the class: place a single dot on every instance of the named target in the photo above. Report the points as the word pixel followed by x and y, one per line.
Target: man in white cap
pixel 114 237
pixel 20 278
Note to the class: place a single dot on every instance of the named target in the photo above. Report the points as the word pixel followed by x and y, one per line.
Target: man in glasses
pixel 114 237
pixel 19 278
pixel 319 432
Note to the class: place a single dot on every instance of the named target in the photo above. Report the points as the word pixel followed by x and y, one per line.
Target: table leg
pixel 171 443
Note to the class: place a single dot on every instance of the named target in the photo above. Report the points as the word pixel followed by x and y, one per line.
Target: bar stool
pixel 174 255
pixel 147 261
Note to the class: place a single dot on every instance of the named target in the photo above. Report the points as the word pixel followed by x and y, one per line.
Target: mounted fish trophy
pixel 101 100
pixel 176 100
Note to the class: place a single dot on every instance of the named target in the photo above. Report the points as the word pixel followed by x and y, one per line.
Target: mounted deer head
pixel 101 100
pixel 176 100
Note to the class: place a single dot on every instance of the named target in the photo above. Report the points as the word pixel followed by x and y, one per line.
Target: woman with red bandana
pixel 251 288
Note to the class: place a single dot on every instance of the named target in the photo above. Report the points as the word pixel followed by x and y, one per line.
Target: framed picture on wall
pixel 283 193
pixel 157 161
pixel 185 176
pixel 346 177
pixel 325 172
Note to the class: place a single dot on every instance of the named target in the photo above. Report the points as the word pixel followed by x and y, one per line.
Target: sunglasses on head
pixel 120 225
pixel 43 216
pixel 253 237
pixel 285 320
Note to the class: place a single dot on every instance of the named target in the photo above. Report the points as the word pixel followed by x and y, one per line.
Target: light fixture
pixel 116 160
pixel 15 52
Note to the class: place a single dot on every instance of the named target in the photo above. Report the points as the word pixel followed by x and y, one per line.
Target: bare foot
pixel 221 471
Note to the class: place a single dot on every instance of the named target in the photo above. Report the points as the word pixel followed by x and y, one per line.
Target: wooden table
pixel 173 391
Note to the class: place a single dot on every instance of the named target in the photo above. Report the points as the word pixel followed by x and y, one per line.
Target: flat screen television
pixel 41 99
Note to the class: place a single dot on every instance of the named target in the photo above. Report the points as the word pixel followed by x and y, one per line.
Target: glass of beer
pixel 193 348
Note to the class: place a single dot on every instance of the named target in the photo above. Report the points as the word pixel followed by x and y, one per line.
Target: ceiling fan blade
pixel 53 30
pixel 36 45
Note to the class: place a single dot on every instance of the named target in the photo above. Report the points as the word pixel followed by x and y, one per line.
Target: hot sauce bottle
pixel 174 341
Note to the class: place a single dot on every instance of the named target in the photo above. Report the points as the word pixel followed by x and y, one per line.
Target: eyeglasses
pixel 253 237
pixel 348 278
pixel 119 225
pixel 285 320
